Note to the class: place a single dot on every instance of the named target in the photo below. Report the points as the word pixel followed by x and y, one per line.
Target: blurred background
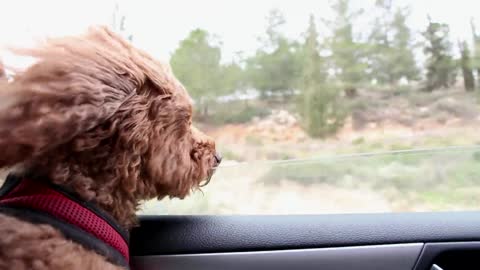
pixel 333 106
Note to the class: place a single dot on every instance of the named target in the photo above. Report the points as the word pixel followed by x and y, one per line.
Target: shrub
pixel 234 113
pixel 321 112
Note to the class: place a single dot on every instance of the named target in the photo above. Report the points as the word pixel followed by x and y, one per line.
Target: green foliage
pixel 235 113
pixel 466 65
pixel 322 113
pixel 275 21
pixel 318 106
pixel 274 68
pixel 476 51
pixel 390 43
pixel 441 70
pixel 446 178
pixel 313 68
pixel 359 140
pixel 397 171
pixel 233 78
pixel 196 63
pixel 348 55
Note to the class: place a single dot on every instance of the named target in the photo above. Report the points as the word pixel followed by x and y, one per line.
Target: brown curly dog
pixel 105 122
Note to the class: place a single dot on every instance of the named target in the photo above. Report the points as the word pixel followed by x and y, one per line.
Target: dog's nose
pixel 218 158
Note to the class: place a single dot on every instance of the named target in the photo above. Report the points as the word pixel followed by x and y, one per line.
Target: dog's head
pixel 105 119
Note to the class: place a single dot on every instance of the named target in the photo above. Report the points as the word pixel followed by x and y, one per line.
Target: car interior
pixel 418 241
pixel 348 129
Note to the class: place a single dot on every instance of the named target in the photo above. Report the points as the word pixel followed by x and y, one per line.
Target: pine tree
pixel 466 64
pixel 318 108
pixel 275 20
pixel 348 55
pixel 274 68
pixel 391 45
pixel 196 63
pixel 441 70
pixel 379 43
pixel 402 48
pixel 476 51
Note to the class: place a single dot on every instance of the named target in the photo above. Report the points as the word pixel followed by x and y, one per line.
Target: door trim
pixel 392 257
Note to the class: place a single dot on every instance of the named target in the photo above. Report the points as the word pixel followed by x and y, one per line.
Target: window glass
pixel 402 181
pixel 316 106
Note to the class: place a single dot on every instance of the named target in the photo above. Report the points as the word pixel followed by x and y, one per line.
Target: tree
pixel 233 77
pixel 275 21
pixel 441 70
pixel 348 55
pixel 196 63
pixel 274 68
pixel 317 106
pixel 466 65
pixel 402 48
pixel 379 43
pixel 476 51
pixel 390 42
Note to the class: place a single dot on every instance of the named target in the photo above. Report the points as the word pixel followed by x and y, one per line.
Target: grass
pixel 253 140
pixel 231 155
pixel 358 141
pixel 237 112
pixel 430 179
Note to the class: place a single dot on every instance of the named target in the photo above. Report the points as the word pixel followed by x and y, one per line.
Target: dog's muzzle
pixel 217 159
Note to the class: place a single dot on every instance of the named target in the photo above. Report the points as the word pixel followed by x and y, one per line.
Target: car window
pixel 317 107
pixel 400 181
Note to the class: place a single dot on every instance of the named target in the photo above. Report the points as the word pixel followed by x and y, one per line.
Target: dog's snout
pixel 218 158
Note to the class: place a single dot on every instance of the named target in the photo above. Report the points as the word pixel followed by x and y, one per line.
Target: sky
pixel 158 26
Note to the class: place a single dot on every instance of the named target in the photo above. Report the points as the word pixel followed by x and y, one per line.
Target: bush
pixel 240 116
pixel 321 112
pixel 234 113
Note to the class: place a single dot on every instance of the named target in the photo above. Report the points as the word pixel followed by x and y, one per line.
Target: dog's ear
pixel 76 84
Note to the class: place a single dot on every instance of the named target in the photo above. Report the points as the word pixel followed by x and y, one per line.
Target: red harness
pixel 43 199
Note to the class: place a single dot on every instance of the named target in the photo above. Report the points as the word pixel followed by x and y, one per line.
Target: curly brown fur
pixel 104 120
pixel 24 246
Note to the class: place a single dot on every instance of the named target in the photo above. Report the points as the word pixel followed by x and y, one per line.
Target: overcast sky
pixel 158 26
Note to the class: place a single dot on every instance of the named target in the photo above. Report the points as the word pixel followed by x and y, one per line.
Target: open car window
pixel 334 106
pixel 349 129
pixel 422 180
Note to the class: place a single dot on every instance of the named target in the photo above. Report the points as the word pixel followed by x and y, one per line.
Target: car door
pixel 374 241
pixel 410 239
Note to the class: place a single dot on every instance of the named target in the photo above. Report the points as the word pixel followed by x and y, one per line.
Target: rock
pixel 278 126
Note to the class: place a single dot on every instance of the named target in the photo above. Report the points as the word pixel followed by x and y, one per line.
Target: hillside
pixel 320 175
pixel 378 121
